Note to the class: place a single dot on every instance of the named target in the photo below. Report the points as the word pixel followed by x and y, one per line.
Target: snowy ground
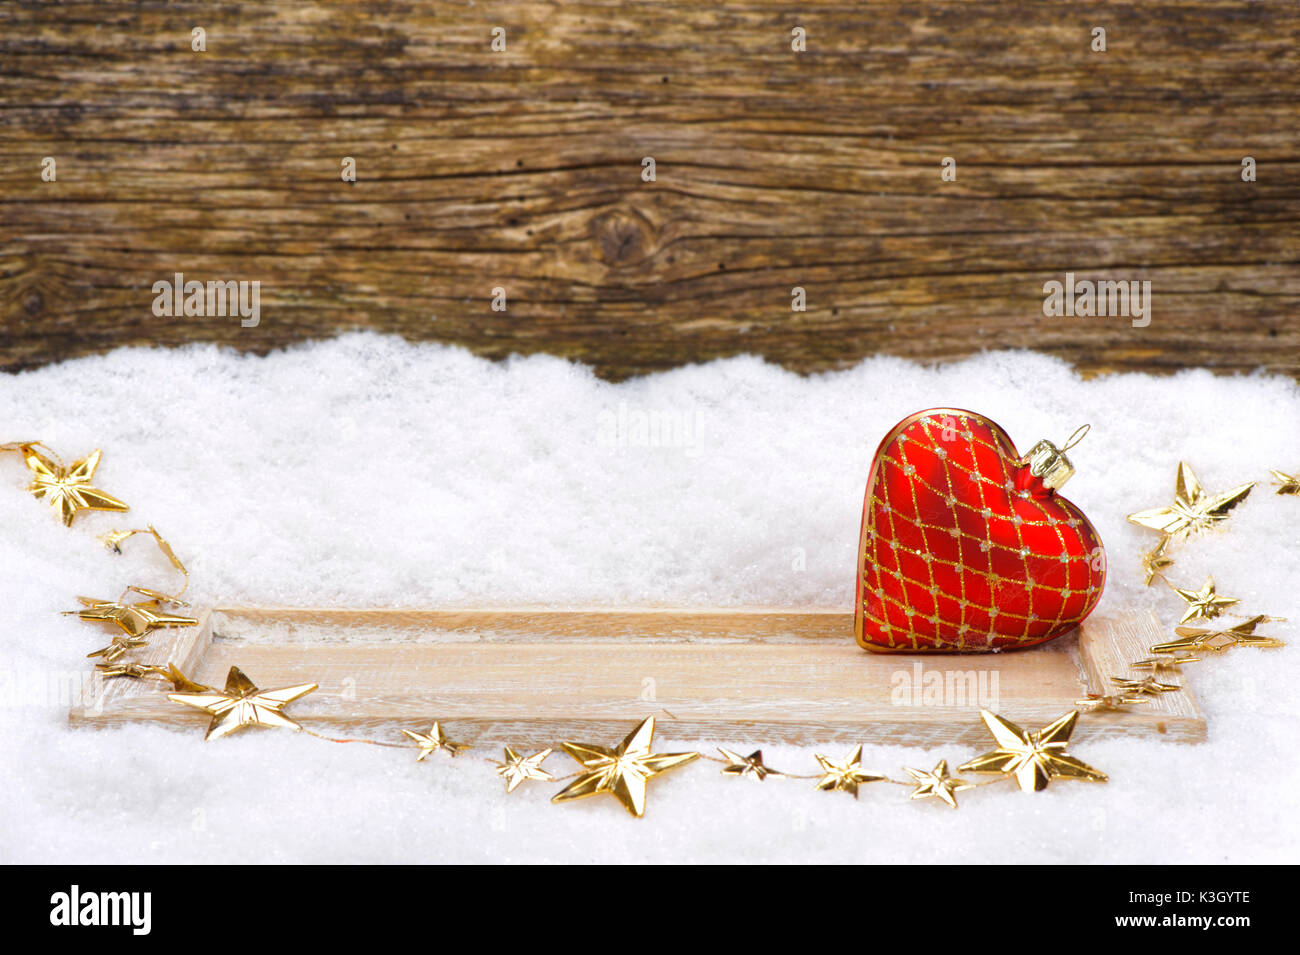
pixel 368 472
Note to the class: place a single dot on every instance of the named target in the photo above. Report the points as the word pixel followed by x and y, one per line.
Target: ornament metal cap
pixel 1049 464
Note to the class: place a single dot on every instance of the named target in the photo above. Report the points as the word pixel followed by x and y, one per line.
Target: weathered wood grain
pixel 534 677
pixel 775 169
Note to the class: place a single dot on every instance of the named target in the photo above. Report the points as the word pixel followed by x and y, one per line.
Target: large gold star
pixel 1203 604
pixel 1216 641
pixel 844 776
pixel 517 768
pixel 937 783
pixel 135 620
pixel 68 490
pixel 435 740
pixel 1033 758
pixel 1193 510
pixel 750 766
pixel 622 771
pixel 1155 561
pixel 243 704
pixel 1286 483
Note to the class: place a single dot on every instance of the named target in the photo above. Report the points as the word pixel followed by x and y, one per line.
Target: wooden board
pixel 533 677
pixel 775 169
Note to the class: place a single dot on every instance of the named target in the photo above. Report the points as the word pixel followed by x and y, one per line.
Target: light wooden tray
pixel 538 676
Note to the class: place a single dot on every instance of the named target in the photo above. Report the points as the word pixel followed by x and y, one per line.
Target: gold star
pixel 1192 510
pixel 937 783
pixel 67 490
pixel 844 776
pixel 1205 603
pixel 139 671
pixel 1033 758
pixel 120 645
pixel 517 768
pixel 1096 701
pixel 1154 561
pixel 135 620
pixel 750 766
pixel 136 671
pixel 622 771
pixel 1156 664
pixel 435 740
pixel 1189 638
pixel 243 704
pixel 1147 686
pixel 1216 641
pixel 1286 483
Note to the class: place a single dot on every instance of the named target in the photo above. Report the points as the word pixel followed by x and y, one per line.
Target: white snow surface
pixel 366 471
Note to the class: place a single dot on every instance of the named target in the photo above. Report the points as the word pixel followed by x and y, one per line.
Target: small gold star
pixel 435 740
pixel 1192 511
pixel 517 768
pixel 937 783
pixel 1147 686
pixel 1216 641
pixel 1155 561
pixel 1157 664
pixel 622 771
pixel 1108 702
pixel 1189 638
pixel 121 644
pixel 135 620
pixel 169 674
pixel 750 766
pixel 137 671
pixel 1033 758
pixel 1286 483
pixel 844 776
pixel 243 704
pixel 67 490
pixel 1205 603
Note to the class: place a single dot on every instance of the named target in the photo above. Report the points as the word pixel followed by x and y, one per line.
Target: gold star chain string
pixel 1192 513
pixel 1031 759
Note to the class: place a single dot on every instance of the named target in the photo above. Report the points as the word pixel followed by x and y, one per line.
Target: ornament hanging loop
pixel 1080 433
pixel 1049 464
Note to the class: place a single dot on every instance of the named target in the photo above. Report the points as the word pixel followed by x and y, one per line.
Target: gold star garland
pixel 1192 512
pixel 1031 759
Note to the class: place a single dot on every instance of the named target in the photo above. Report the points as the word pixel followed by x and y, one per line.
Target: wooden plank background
pixel 775 169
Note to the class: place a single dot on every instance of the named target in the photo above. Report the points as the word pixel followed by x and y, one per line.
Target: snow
pixel 366 471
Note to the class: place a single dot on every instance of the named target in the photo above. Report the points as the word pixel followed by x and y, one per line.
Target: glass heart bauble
pixel 966 546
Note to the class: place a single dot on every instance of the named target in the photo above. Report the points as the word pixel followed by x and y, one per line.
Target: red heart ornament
pixel 966 547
